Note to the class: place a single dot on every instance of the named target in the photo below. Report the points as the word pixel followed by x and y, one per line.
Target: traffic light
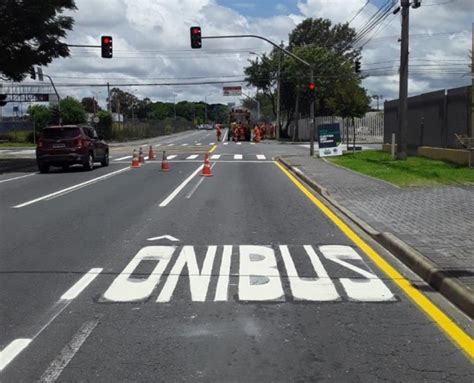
pixel 312 90
pixel 357 66
pixel 196 37
pixel 106 45
pixel 32 73
pixel 3 98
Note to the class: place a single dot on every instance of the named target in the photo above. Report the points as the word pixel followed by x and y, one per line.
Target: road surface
pixel 124 274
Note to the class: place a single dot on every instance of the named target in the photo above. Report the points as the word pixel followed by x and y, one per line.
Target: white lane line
pixel 215 156
pixel 220 161
pixel 72 188
pixel 239 143
pixel 170 144
pixel 261 157
pixel 123 158
pixel 198 183
pixel 179 188
pixel 225 136
pixel 238 156
pixel 17 178
pixel 198 144
pixel 192 157
pixel 68 352
pixel 184 144
pixel 171 157
pixel 212 143
pixel 12 350
pixel 252 143
pixel 226 143
pixel 81 284
pixel 158 145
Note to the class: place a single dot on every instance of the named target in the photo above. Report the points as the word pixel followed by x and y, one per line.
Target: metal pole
pixel 57 95
pixel 174 105
pixel 312 131
pixel 403 96
pixel 109 107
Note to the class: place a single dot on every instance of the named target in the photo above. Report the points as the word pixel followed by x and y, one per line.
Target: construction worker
pixel 235 133
pixel 256 133
pixel 218 132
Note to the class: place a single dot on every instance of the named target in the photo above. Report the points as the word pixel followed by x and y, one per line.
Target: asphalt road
pixel 255 283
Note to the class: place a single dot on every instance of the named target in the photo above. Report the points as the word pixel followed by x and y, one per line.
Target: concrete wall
pixel 433 118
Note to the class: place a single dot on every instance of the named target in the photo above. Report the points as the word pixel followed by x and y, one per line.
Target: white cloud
pixel 151 42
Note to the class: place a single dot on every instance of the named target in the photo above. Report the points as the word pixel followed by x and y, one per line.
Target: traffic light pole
pixel 299 59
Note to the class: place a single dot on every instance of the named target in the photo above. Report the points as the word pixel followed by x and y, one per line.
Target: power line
pixel 358 12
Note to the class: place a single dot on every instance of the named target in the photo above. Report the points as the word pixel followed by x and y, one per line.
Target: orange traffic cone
pixel 151 154
pixel 165 166
pixel 135 160
pixel 141 157
pixel 206 169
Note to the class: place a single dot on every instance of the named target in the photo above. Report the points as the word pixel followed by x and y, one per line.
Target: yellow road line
pixel 451 329
pixel 214 147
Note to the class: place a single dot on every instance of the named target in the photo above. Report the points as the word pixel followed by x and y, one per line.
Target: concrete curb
pixel 455 291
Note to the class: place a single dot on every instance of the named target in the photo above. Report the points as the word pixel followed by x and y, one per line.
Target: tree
pixel 123 102
pixel 40 115
pixel 90 105
pixel 72 111
pixel 104 127
pixel 30 33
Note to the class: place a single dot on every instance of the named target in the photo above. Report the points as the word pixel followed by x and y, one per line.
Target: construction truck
pixel 240 124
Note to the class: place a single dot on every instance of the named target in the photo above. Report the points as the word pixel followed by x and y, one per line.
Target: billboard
pixel 232 90
pixel 329 139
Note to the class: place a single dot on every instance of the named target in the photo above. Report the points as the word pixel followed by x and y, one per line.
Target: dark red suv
pixel 70 144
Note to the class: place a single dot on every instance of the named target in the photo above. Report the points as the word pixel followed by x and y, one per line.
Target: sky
pixel 151 44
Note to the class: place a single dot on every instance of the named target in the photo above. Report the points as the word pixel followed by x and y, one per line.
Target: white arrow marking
pixel 169 237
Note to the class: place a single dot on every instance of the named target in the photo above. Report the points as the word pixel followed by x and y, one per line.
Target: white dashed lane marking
pixel 238 156
pixel 192 157
pixel 171 157
pixel 215 157
pixel 123 158
pixel 261 157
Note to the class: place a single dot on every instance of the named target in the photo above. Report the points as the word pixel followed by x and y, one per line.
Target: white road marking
pixel 12 350
pixel 58 365
pixel 215 156
pixel 198 144
pixel 198 280
pixel 261 157
pixel 239 143
pixel 192 157
pixel 81 284
pixel 198 183
pixel 123 158
pixel 179 188
pixel 171 157
pixel 166 236
pixel 238 156
pixel 170 144
pixel 252 143
pixel 259 262
pixel 226 143
pixel 320 289
pixel 225 135
pixel 126 289
pixel 212 143
pixel 158 145
pixel 224 274
pixel 17 178
pixel 72 188
pixel 184 144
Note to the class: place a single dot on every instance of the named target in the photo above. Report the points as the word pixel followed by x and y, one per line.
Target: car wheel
pixel 43 168
pixel 89 164
pixel 105 161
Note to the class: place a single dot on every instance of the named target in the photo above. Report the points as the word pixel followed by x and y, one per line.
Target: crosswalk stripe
pixel 239 143
pixel 226 143
pixel 192 157
pixel 171 157
pixel 123 158
pixel 252 143
pixel 212 143
pixel 157 144
pixel 215 157
pixel 198 144
pixel 238 156
pixel 261 156
pixel 170 144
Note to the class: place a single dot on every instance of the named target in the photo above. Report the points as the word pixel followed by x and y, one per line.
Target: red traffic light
pixel 105 40
pixel 195 30
pixel 312 86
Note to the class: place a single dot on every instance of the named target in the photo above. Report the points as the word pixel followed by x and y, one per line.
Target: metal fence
pixel 367 129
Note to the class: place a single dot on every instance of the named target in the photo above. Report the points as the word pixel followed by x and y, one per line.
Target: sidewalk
pixel 438 222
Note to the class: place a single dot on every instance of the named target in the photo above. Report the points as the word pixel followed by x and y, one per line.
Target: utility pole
pixel 277 133
pixel 109 108
pixel 403 91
